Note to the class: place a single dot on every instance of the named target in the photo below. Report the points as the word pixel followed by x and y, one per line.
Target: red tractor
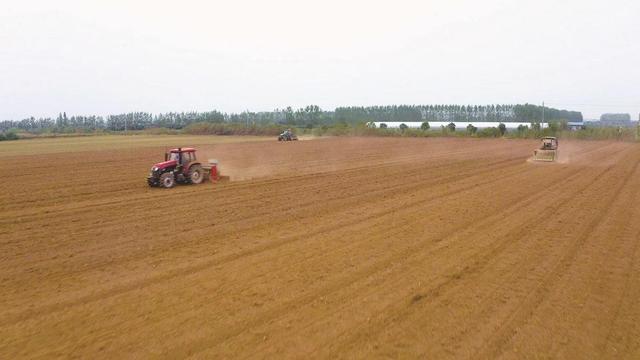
pixel 179 165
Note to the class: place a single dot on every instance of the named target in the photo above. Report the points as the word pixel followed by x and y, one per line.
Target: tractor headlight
pixel 154 169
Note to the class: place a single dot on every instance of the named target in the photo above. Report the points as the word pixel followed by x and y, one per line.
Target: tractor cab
pixel 549 143
pixel 182 156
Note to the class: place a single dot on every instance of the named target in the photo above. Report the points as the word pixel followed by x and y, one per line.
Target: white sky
pixel 101 57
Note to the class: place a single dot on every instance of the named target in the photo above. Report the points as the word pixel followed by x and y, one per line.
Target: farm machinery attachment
pixel 180 165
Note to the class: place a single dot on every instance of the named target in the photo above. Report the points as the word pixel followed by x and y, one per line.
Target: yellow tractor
pixel 548 150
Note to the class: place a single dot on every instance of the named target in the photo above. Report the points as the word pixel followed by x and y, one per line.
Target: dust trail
pixel 566 151
pixel 254 161
pixel 308 137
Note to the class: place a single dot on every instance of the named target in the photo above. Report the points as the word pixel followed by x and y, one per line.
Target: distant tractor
pixel 548 150
pixel 287 135
pixel 181 166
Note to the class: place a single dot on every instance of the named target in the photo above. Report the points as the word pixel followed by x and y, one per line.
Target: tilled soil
pixel 344 247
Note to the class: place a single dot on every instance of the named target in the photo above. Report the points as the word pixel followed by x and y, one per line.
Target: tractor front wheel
pixel 167 180
pixel 196 174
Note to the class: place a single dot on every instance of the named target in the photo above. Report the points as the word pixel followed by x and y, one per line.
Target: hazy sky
pixel 101 57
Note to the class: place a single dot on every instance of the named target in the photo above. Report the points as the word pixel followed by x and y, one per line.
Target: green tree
pixel 383 126
pixel 289 117
pixel 451 127
pixel 503 129
pixel 403 127
pixel 554 126
pixel 471 129
pixel 489 132
pixel 9 135
pixel 312 114
pixel 615 117
pixel 425 126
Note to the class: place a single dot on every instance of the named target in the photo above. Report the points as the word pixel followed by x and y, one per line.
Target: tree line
pixel 456 113
pixel 615 117
pixel 310 116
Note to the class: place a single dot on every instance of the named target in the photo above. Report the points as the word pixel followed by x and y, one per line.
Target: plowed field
pixel 348 248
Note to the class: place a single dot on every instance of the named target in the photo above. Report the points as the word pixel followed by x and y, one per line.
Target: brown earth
pixel 399 248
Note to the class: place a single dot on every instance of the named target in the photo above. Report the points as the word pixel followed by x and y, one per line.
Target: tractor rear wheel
pixel 167 180
pixel 196 174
